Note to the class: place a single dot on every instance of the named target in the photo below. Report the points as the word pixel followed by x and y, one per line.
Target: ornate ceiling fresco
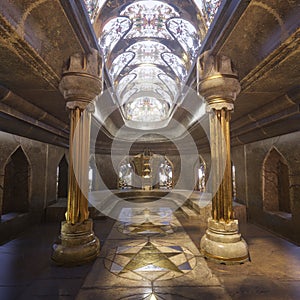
pixel 149 49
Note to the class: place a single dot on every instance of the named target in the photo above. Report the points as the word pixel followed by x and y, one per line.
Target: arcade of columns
pixel 218 84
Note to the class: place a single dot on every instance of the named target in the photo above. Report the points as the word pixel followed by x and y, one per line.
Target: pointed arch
pixel 276 195
pixel 16 189
pixel 62 172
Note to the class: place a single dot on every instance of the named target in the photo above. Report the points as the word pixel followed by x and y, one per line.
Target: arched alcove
pixel 276 196
pixel 93 175
pixel 91 178
pixel 16 183
pixel 233 177
pixel 165 174
pixel 126 171
pixel 62 178
pixel 200 171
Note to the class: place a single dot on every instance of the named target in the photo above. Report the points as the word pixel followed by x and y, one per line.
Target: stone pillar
pixel 80 84
pixel 218 84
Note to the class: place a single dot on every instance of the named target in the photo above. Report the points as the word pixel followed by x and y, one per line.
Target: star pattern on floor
pixel 150 260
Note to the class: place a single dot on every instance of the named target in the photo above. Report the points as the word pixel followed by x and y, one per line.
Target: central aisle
pixel 150 257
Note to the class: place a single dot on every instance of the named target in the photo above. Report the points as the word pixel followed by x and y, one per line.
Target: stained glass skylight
pixel 146 109
pixel 208 9
pixel 186 35
pixel 113 31
pixel 176 64
pixel 93 8
pixel 146 83
pixel 120 63
pixel 149 19
pixel 148 52
pixel 149 48
pixel 124 82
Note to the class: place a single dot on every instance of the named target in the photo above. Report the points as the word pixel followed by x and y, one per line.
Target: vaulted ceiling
pixel 261 38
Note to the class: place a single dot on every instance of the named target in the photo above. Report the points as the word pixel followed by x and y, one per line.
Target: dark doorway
pixel 16 183
pixel 62 178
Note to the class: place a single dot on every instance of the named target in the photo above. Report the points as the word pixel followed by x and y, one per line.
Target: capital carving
pixel 82 79
pixel 217 81
pixel 90 107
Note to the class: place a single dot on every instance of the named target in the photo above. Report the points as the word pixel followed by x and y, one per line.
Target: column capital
pixel 90 107
pixel 82 79
pixel 217 81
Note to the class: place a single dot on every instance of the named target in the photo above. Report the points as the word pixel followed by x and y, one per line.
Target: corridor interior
pixel 168 130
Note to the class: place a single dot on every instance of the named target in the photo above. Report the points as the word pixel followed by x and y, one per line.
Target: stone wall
pixel 249 162
pixel 42 159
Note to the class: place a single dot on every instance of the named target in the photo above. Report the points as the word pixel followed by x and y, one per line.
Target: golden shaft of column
pixel 221 165
pixel 77 210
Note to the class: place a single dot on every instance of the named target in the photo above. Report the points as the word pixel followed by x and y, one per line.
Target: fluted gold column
pixel 80 122
pixel 221 164
pixel 80 84
pixel 218 84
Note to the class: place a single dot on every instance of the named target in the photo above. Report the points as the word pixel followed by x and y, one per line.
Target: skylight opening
pixel 149 48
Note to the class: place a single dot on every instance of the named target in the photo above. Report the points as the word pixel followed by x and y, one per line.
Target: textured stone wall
pixel 106 171
pixel 42 159
pixel 249 162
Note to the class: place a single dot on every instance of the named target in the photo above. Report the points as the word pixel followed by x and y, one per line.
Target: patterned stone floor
pixel 149 260
pixel 141 261
pixel 27 272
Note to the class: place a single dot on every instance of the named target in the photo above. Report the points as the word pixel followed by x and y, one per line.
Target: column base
pixel 78 244
pixel 223 243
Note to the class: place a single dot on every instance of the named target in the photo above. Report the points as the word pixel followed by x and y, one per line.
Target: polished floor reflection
pixel 146 222
pixel 27 273
pixel 147 229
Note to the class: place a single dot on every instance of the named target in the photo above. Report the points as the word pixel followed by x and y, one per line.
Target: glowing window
pixel 201 177
pixel 125 174
pixel 165 175
pixel 91 178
